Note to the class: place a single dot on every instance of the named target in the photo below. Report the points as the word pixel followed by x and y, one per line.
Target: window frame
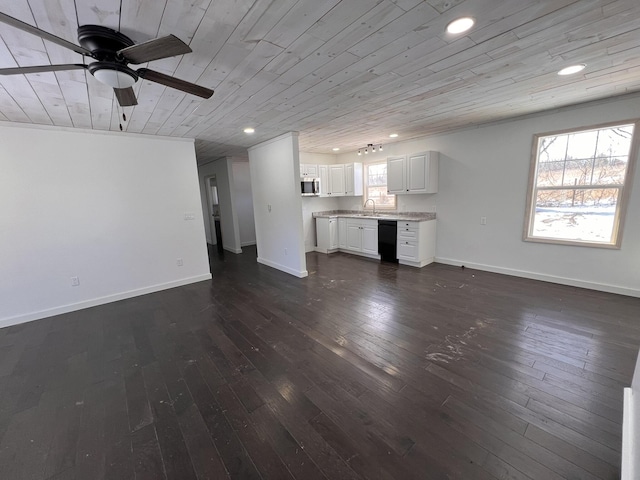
pixel 365 189
pixel 623 199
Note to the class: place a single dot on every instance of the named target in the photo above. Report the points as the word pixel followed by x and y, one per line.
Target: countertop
pixel 400 216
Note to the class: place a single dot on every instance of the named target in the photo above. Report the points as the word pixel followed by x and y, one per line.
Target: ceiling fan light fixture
pixel 115 78
pixel 460 25
pixel 570 70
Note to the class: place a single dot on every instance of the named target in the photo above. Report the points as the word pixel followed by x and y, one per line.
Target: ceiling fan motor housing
pixel 103 42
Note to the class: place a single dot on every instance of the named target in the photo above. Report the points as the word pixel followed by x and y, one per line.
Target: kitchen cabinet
pixel 416 243
pixel 323 174
pixel 336 181
pixel 362 236
pixel 416 173
pixel 353 179
pixel 340 180
pixel 327 234
pixel 309 170
pixel 342 233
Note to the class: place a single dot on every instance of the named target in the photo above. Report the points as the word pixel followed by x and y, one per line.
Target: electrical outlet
pixel 75 281
pixel 483 220
pixel 286 252
pixel 179 262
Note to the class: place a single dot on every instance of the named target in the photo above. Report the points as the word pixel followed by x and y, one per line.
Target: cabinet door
pixel 322 233
pixel 396 171
pixel 342 233
pixel 370 238
pixel 336 180
pixel 333 233
pixel 349 179
pixel 417 173
pixel 311 170
pixel 325 186
pixel 354 237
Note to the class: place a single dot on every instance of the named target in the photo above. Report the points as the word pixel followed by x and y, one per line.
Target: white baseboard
pixel 246 244
pixel 573 282
pixel 233 250
pixel 72 307
pixel 284 268
pixel 628 444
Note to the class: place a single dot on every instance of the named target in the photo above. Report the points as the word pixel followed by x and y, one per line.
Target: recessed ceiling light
pixel 249 130
pixel 572 69
pixel 460 25
pixel 335 149
pixel 393 135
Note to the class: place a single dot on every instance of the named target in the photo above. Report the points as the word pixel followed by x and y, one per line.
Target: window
pixel 375 186
pixel 578 186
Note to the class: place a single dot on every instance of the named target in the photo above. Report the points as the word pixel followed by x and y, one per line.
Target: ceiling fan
pixel 113 52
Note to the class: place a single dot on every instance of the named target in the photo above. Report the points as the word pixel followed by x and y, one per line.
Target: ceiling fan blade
pixel 41 68
pixel 164 47
pixel 14 22
pixel 126 97
pixel 173 82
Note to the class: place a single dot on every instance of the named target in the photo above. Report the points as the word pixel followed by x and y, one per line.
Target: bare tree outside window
pixel 577 187
pixel 376 186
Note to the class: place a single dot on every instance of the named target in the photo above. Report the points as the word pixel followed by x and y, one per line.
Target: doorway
pixel 214 211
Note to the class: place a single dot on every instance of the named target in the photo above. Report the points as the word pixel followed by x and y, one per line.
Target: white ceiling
pixel 343 73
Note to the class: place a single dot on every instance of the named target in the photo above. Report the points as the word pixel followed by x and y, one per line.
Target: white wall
pixel 107 208
pixel 318 158
pixel 275 182
pixel 223 170
pixel 244 201
pixel 484 172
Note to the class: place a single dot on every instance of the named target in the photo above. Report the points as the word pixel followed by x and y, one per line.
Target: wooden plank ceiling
pixel 343 73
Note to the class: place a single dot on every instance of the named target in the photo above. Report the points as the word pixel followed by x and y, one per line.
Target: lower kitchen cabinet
pixel 362 236
pixel 327 234
pixel 416 243
pixel 354 235
pixel 416 240
pixel 342 233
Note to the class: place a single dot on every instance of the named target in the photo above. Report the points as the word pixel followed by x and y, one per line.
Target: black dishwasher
pixel 387 235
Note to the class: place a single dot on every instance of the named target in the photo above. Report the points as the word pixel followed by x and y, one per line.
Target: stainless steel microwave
pixel 310 187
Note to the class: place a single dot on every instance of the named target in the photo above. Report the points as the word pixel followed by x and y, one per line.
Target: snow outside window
pixel 578 186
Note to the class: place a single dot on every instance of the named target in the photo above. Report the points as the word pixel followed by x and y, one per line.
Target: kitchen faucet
pixel 372 201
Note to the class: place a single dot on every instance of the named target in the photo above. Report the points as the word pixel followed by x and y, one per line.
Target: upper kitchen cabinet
pixel 309 170
pixel 340 180
pixel 336 180
pixel 416 173
pixel 353 179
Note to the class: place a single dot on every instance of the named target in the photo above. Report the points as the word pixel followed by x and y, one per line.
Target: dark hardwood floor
pixel 361 370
